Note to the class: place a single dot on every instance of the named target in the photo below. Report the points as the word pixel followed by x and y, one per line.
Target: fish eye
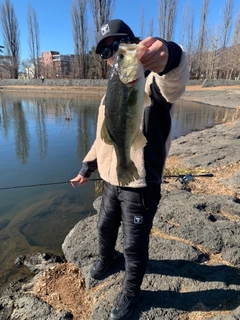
pixel 121 56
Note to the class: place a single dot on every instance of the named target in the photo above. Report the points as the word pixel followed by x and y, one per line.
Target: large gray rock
pixel 214 147
pixel 194 252
pixel 188 232
pixel 20 306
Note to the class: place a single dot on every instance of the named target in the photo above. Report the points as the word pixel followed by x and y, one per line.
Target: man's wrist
pixel 174 55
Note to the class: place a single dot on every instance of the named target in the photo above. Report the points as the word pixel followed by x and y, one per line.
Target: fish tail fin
pixel 127 173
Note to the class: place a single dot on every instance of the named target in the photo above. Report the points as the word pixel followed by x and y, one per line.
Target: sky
pixel 55 25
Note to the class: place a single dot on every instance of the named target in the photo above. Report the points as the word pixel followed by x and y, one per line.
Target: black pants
pixel 136 208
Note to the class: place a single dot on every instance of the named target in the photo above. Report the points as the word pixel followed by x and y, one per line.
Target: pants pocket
pixel 151 196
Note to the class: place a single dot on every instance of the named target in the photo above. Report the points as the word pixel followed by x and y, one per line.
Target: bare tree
pixel 202 37
pixel 11 37
pixel 33 40
pixel 79 29
pixel 236 32
pixel 227 20
pixel 188 36
pixel 210 56
pixel 102 12
pixel 214 52
pixel 151 28
pixel 204 14
pixel 142 22
pixel 25 67
pixel 167 18
pixel 235 49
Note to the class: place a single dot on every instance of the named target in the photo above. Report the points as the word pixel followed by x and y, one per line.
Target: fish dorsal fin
pixel 105 134
pixel 140 141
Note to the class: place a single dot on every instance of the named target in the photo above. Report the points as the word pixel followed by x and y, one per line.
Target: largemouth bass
pixel 124 102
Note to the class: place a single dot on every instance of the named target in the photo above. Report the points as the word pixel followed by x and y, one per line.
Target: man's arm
pixel 168 64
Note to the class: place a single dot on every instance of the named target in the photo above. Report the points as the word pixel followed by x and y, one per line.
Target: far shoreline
pixel 222 96
pixel 39 88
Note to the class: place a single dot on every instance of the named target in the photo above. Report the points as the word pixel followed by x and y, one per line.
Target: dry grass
pixel 202 185
pixel 63 287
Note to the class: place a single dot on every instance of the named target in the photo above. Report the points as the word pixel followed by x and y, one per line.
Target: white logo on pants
pixel 138 219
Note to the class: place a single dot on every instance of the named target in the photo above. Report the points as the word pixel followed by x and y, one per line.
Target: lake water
pixel 43 139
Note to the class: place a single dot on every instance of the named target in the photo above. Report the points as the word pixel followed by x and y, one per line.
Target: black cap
pixel 112 28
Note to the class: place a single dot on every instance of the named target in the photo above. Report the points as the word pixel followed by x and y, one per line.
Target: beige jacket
pixel 172 86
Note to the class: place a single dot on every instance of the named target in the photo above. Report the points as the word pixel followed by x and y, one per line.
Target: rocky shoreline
pixel 193 271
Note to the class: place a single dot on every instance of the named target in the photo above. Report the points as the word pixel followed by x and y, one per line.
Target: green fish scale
pixel 119 113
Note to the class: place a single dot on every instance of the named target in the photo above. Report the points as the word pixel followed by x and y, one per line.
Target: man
pixel 134 205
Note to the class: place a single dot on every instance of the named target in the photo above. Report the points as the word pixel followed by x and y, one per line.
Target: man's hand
pixel 79 180
pixel 155 58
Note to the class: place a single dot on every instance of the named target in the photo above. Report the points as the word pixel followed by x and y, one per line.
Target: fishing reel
pixel 184 180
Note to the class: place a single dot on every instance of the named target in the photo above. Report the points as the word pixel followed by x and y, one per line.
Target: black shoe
pixel 123 308
pixel 99 268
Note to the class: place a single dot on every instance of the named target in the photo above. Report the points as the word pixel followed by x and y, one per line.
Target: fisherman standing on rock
pixel 132 202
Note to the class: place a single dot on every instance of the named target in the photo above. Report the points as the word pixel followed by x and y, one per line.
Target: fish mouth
pixel 132 82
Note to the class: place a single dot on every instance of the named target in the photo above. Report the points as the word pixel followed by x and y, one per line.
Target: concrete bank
pixel 54 82
pixel 102 82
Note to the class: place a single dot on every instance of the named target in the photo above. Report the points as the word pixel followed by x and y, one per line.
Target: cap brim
pixel 100 46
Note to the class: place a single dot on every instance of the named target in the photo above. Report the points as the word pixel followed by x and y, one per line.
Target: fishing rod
pixel 41 184
pixel 189 175
pixel 184 179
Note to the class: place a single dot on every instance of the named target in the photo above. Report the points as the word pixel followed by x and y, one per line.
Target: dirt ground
pixel 63 286
pixel 225 96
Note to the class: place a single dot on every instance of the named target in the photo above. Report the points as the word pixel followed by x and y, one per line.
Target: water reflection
pixel 20 132
pixel 190 116
pixel 20 113
pixel 43 138
pixel 41 130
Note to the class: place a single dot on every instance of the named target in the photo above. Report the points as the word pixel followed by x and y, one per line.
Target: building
pixel 56 65
pixel 30 72
pixel 4 73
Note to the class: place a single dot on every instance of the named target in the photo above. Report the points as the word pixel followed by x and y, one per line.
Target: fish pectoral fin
pixel 146 100
pixel 105 134
pixel 139 142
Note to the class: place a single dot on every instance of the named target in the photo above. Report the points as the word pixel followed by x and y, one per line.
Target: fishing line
pixel 41 184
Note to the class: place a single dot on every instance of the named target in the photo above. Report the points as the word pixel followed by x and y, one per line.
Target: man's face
pixel 107 43
pixel 111 45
